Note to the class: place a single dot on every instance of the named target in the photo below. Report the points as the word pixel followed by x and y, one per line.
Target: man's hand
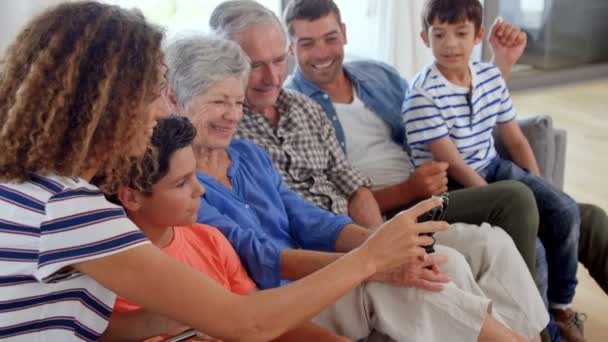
pixel 430 179
pixel 423 272
pixel 508 44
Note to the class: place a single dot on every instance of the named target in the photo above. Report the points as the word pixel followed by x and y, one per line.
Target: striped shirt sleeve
pixel 79 225
pixel 506 112
pixel 422 119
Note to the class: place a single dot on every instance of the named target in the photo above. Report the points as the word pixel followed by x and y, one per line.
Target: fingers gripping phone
pixel 435 214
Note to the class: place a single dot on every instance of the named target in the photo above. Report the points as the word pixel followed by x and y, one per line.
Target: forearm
pixel 503 65
pixel 335 281
pixel 351 237
pixel 136 325
pixel 298 263
pixel 465 175
pixel 395 197
pixel 172 289
pixel 445 150
pixel 523 156
pixel 364 210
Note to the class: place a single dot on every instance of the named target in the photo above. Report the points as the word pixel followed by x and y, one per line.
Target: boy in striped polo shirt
pixel 449 115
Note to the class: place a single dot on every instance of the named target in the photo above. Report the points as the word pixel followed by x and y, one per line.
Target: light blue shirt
pixel 261 216
pixel 378 85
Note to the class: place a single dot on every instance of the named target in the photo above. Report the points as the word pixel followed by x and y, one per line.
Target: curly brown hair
pixel 73 90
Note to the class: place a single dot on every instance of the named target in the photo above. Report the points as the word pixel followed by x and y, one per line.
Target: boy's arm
pixel 508 44
pixel 518 146
pixel 443 149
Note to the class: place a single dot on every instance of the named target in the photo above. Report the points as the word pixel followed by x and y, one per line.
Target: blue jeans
pixel 541 283
pixel 560 222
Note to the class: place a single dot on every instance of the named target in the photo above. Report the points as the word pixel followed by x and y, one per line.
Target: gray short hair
pixel 234 16
pixel 195 63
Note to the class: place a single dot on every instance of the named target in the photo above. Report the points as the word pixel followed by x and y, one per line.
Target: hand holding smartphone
pixel 435 214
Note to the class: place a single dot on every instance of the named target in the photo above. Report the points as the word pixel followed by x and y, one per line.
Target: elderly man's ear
pixel 171 100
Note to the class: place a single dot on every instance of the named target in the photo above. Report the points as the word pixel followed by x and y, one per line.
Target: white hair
pixel 197 62
pixel 234 16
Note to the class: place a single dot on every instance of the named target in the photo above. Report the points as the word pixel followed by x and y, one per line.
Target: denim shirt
pixel 378 85
pixel 261 216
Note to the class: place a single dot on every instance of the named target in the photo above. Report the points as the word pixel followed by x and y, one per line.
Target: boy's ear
pixel 130 198
pixel 480 34
pixel 425 38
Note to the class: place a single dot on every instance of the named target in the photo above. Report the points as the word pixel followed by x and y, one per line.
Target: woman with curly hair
pixel 80 93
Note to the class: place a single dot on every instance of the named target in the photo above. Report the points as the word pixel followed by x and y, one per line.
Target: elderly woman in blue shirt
pixel 281 237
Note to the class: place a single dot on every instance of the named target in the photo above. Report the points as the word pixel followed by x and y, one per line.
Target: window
pixel 182 15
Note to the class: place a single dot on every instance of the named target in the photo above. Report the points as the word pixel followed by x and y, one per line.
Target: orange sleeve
pixel 123 305
pixel 240 282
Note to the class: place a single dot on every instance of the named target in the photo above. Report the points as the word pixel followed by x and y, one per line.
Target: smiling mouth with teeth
pixel 323 66
pixel 221 129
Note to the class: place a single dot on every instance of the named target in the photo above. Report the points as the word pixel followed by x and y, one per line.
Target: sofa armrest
pixel 548 145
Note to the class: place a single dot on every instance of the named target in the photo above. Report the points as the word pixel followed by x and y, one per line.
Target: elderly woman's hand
pixel 423 273
pixel 396 247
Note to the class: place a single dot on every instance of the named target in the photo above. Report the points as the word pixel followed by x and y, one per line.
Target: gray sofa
pixel 548 144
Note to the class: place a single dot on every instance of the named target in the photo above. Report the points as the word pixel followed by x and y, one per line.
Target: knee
pixel 569 216
pixel 594 225
pixel 518 200
pixel 457 266
pixel 498 241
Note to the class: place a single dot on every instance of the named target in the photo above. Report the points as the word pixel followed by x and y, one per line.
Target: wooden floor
pixel 582 109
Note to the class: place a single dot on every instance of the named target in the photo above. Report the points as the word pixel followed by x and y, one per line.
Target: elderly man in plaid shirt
pixel 300 139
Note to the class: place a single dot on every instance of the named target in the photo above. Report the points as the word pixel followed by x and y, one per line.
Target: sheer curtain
pixel 389 31
pixel 386 30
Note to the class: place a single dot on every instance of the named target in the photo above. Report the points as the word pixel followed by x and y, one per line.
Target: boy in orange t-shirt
pixel 163 200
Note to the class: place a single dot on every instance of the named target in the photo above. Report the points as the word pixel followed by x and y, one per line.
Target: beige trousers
pixel 489 267
pixel 501 273
pixel 411 314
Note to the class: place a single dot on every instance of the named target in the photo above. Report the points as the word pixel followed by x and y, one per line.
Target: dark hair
pixel 73 89
pixel 170 135
pixel 309 10
pixel 452 11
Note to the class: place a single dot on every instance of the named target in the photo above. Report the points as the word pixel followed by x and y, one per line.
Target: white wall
pixel 386 30
pixel 15 14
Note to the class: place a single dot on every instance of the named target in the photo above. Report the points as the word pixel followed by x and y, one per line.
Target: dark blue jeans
pixel 560 222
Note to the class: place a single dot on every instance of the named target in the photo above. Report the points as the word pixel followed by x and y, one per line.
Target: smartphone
pixel 182 337
pixel 435 214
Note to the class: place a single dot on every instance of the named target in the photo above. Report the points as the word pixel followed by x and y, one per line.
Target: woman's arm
pixel 148 277
pixel 139 325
